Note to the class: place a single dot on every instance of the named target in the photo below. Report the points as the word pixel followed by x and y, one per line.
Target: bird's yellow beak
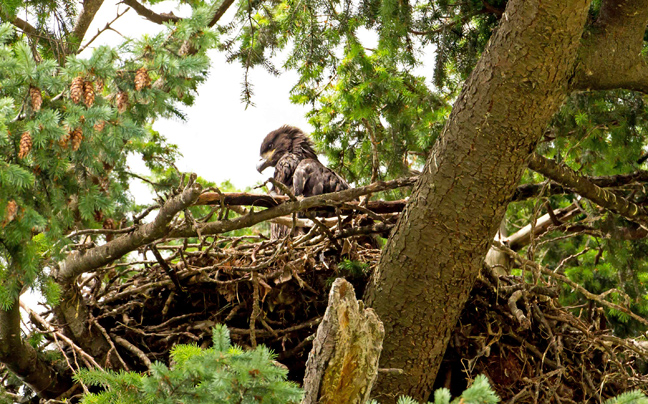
pixel 265 160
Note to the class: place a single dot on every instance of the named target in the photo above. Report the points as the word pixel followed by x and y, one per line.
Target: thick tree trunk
pixel 433 257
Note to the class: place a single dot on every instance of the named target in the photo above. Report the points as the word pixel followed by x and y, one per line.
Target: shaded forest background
pixel 572 242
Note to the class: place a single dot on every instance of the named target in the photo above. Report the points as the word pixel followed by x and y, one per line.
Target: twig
pixel 169 271
pixel 134 350
pixel 256 310
pixel 48 327
pixel 586 293
pixel 100 31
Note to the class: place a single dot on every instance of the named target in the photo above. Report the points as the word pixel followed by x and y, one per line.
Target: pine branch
pixel 526 191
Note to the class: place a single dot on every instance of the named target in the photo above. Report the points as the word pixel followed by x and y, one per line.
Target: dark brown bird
pixel 291 153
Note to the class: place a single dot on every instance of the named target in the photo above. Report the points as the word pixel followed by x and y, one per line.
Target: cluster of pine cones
pixel 81 89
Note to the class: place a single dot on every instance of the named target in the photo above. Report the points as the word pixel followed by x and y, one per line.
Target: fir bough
pixel 221 374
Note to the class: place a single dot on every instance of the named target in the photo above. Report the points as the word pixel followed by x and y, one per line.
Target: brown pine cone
pixel 142 79
pixel 76 137
pixel 25 145
pixel 10 212
pixel 99 126
pixel 64 140
pixel 109 224
pixel 36 98
pixel 88 93
pixel 76 89
pixel 122 101
pixel 99 85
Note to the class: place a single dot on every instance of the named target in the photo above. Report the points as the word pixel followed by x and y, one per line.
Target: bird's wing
pixel 313 178
pixel 285 170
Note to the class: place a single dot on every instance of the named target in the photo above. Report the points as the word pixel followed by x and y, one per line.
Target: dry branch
pixel 332 199
pixel 78 263
pixel 150 14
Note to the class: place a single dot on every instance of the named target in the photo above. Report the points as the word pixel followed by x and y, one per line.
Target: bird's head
pixel 286 139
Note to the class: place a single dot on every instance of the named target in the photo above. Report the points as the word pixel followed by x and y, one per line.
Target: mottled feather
pixel 291 153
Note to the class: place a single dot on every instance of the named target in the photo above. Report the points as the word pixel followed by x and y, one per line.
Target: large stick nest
pixel 275 292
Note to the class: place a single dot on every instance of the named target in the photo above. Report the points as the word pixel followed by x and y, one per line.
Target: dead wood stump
pixel 343 363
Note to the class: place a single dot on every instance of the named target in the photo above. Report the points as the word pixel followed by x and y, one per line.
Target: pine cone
pixel 122 101
pixel 88 93
pixel 76 89
pixel 142 79
pixel 99 86
pixel 64 140
pixel 76 137
pixel 25 145
pixel 10 212
pixel 99 126
pixel 109 224
pixel 36 98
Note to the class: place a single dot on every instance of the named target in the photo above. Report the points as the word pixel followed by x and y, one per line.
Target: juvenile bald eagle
pixel 291 153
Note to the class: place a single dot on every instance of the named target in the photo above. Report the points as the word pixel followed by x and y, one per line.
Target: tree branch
pixel 331 199
pixel 610 56
pixel 225 5
pixel 602 197
pixel 269 201
pixel 90 8
pixel 24 26
pixel 23 360
pixel 80 262
pixel 150 14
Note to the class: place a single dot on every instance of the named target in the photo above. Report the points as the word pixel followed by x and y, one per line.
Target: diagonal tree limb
pixel 80 262
pixel 526 191
pixel 585 188
pixel 150 14
pixel 220 11
pixel 90 8
pixel 72 313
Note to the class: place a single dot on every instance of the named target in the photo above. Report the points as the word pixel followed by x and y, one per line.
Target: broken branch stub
pixel 343 363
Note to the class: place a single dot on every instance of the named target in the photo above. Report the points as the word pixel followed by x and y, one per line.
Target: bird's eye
pixel 270 146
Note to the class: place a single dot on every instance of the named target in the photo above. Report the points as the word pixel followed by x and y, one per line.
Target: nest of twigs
pixel 275 292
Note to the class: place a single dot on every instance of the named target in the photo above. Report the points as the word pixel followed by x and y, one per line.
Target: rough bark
pixel 343 363
pixel 611 53
pixel 434 255
pixel 88 12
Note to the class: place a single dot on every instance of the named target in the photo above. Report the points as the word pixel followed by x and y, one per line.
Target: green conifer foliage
pixel 220 374
pixel 68 123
